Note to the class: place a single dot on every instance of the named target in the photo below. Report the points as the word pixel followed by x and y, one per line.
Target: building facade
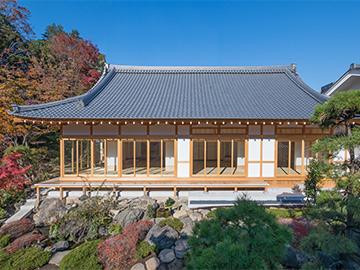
pixel 185 128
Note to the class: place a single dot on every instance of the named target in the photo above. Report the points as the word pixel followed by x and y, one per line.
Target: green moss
pixel 172 222
pixel 144 249
pixel 115 229
pixel 286 213
pixel 24 259
pixel 4 240
pixel 169 202
pixel 83 257
pixel 211 214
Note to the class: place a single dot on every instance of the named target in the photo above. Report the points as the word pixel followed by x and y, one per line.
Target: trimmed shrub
pixel 24 259
pixel 4 240
pixel 286 213
pixel 118 251
pixel 169 202
pixel 25 241
pixel 83 257
pixel 144 249
pixel 174 223
pixel 115 229
pixel 241 237
pixel 17 228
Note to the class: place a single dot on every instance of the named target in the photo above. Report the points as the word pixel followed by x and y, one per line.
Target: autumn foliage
pixel 11 175
pixel 118 251
pixel 17 228
pixel 25 241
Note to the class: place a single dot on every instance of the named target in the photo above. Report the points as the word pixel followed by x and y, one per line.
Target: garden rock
pixel 205 212
pixel 326 260
pixel 138 266
pixel 129 216
pixel 181 247
pixel 167 256
pixel 57 257
pixel 152 263
pixel 59 246
pixel 50 211
pixel 196 217
pixel 103 231
pixel 186 232
pixel 163 237
pixel 294 258
pixel 177 264
pixel 188 223
pixel 180 214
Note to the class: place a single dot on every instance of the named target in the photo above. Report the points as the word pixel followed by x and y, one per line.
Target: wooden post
pixel 84 190
pixel 175 191
pixel 205 189
pixel 144 189
pixel 62 158
pixel 92 157
pixel 236 189
pixel 289 161
pixel 218 157
pixel 246 156
pixel 232 156
pixel 87 154
pixel 302 156
pixel 161 156
pixel 105 157
pixel 77 157
pixel 114 190
pixel 81 154
pixel 38 193
pixel 119 156
pixel 204 158
pixel 72 156
pixel 61 192
pixel 147 157
pixel 134 157
pixel 176 158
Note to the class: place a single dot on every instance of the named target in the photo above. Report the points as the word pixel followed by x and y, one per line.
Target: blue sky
pixel 321 37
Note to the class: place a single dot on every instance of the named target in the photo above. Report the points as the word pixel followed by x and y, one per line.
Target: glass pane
pixel 225 158
pixel 69 157
pixel 141 155
pixel 239 158
pixel 168 158
pixel 198 158
pixel 295 165
pixel 128 158
pixel 211 158
pixel 99 157
pixel 112 158
pixel 283 158
pixel 84 157
pixel 307 156
pixel 155 158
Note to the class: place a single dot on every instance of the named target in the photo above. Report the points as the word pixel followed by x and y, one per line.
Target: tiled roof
pixel 131 92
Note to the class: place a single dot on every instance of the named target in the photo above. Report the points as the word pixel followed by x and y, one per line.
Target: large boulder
pixel 181 247
pixel 129 216
pixel 162 237
pixel 152 263
pixel 167 255
pixel 294 258
pixel 50 211
pixel 59 246
pixel 138 266
pixel 177 264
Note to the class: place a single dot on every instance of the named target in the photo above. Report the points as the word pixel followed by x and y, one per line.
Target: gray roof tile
pixel 128 92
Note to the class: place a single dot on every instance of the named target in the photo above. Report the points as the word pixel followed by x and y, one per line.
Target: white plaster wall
pixel 112 156
pixel 131 129
pixel 183 170
pixel 183 149
pixel 268 150
pixel 105 129
pixel 254 130
pixel 297 153
pixel 73 129
pixel 254 170
pixel 162 129
pixel 254 149
pixel 268 169
pixel 183 130
pixel 268 130
pixel 169 154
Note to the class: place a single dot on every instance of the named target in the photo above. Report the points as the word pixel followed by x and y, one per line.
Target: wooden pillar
pixel 236 189
pixel 232 157
pixel 38 193
pixel 147 157
pixel 161 157
pixel 119 156
pixel 175 191
pixel 62 158
pixel 84 190
pixel 105 157
pixel 289 161
pixel 218 157
pixel 81 154
pixel 114 190
pixel 246 156
pixel 204 158
pixel 302 157
pixel 72 156
pixel 92 150
pixel 134 157
pixel 205 189
pixel 144 190
pixel 87 154
pixel 176 158
pixel 61 193
pixel 77 157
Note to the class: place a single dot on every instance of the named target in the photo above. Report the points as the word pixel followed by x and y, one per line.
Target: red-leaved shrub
pixel 300 230
pixel 17 228
pixel 118 251
pixel 25 241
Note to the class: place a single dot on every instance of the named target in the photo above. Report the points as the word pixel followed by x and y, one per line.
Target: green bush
pixel 286 213
pixel 169 202
pixel 144 249
pixel 83 257
pixel 115 229
pixel 150 211
pixel 173 223
pixel 24 259
pixel 211 214
pixel 4 240
pixel 245 236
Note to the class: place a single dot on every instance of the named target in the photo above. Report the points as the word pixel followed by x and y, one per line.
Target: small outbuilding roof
pixel 135 92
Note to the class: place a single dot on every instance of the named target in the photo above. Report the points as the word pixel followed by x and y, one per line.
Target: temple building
pixel 184 128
